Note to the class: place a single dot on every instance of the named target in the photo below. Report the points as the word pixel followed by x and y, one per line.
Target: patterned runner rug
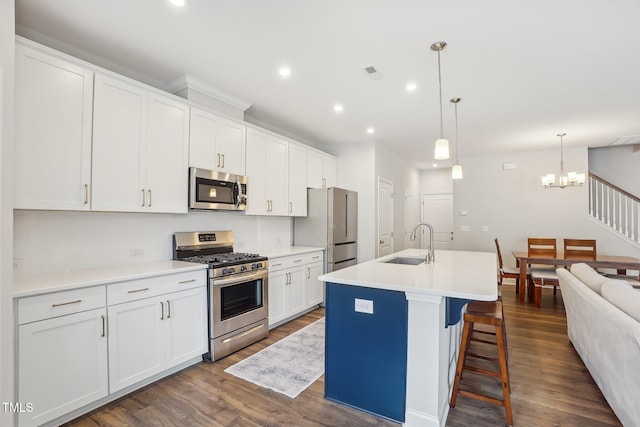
pixel 288 366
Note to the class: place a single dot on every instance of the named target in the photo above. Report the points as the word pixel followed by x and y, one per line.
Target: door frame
pixel 390 183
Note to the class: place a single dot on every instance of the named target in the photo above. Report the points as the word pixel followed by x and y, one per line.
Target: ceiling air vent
pixel 626 140
pixel 372 73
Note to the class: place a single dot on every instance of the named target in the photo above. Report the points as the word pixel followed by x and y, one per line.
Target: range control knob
pixel 243 267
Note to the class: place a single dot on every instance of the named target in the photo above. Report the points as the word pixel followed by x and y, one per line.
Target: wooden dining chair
pixel 582 249
pixel 505 272
pixel 544 275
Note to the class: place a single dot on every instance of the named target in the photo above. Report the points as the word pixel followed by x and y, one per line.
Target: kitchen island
pixel 393 331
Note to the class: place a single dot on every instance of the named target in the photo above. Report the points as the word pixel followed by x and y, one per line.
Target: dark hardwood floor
pixel 550 387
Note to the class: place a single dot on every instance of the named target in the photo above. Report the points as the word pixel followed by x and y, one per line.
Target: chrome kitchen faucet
pixel 431 255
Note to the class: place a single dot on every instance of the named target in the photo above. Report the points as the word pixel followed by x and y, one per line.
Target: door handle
pixel 381 242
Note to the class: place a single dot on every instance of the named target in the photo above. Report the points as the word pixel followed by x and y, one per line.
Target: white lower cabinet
pixel 77 348
pixel 314 287
pixel 151 335
pixel 293 286
pixel 62 365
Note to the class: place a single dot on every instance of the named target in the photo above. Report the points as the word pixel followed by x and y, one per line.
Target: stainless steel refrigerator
pixel 332 223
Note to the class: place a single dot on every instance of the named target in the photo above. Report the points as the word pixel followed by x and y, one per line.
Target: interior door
pixel 385 217
pixel 437 210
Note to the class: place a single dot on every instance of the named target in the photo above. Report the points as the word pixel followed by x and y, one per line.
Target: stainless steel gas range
pixel 237 289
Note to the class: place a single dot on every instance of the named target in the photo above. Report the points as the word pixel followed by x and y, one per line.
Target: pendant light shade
pixel 441 151
pixel 456 170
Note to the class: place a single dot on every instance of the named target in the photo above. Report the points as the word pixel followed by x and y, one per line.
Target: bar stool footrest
pixel 481 397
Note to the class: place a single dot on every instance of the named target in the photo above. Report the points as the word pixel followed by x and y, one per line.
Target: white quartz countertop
pixel 458 274
pixel 35 284
pixel 287 250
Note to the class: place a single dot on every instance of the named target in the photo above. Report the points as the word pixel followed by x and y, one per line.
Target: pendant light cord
pixel 440 84
pixel 457 148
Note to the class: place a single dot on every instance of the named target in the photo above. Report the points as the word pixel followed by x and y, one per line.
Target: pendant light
pixel 571 179
pixel 442 145
pixel 456 170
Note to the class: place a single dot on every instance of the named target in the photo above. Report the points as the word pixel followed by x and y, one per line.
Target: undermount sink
pixel 405 260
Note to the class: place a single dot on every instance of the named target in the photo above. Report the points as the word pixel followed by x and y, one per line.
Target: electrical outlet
pixel 364 306
pixel 137 253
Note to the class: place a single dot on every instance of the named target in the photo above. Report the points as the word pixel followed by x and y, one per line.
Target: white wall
pixel 7 30
pixel 359 166
pixel 436 181
pixel 514 205
pixel 48 241
pixel 619 165
pixel 356 169
pixel 405 178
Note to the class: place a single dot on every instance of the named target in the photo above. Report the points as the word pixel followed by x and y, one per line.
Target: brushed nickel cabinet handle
pixel 308 273
pixel 133 291
pixel 290 207
pixel 267 206
pixel 86 194
pixel 149 198
pixel 168 309
pixel 276 265
pixel 144 199
pixel 182 282
pixel 161 310
pixel 60 304
pixel 104 326
pixel 222 161
pixel 297 260
pixel 218 162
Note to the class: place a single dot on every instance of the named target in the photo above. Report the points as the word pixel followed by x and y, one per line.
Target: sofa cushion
pixel 622 295
pixel 588 276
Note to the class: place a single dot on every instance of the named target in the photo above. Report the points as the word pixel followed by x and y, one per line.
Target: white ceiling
pixel 525 70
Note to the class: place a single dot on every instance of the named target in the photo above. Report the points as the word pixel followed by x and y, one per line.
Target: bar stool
pixel 485 313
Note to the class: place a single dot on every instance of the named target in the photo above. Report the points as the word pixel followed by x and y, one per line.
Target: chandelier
pixel 442 145
pixel 571 179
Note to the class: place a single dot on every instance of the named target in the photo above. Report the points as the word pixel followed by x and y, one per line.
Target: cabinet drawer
pixel 314 257
pixel 132 290
pixel 57 304
pixel 281 263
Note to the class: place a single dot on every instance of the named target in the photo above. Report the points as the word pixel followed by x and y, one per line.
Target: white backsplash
pixel 48 241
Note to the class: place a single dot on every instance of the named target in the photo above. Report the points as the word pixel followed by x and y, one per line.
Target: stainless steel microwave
pixel 211 190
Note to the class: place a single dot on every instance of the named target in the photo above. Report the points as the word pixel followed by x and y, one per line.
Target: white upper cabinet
pixel 267 170
pixel 216 143
pixel 53 132
pixel 139 149
pixel 297 180
pixel 322 170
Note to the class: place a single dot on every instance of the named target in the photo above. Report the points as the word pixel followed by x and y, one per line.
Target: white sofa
pixel 603 324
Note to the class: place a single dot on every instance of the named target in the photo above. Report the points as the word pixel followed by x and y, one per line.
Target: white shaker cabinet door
pixel 231 146
pixel 63 365
pixel 330 171
pixel 257 201
pixel 118 135
pixel 277 176
pixel 277 284
pixel 53 132
pixel 165 155
pixel 295 301
pixel 135 341
pixel 314 287
pixel 297 180
pixel 203 140
pixel 186 334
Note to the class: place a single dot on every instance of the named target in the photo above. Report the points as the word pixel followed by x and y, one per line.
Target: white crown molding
pixel 187 81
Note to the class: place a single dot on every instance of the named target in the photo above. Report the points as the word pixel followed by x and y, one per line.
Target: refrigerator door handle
pixel 346 214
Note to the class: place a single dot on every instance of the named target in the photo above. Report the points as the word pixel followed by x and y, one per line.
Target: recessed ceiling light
pixel 284 71
pixel 338 108
pixel 411 86
pixel 370 130
pixel 435 165
pixel 178 2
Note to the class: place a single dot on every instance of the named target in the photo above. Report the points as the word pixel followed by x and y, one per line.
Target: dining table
pixel 523 260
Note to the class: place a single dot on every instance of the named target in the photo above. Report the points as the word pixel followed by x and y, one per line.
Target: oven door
pixel 216 190
pixel 237 301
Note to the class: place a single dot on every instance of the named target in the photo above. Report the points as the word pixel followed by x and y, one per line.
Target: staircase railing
pixel 614 207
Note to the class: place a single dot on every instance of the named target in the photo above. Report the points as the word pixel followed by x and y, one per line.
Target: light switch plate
pixel 364 306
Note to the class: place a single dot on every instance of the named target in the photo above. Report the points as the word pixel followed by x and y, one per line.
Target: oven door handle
pixel 239 278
